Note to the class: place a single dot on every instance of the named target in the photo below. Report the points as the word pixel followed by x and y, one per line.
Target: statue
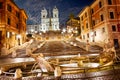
pixel 18 74
pixel 57 72
pixel 42 63
pixel 108 55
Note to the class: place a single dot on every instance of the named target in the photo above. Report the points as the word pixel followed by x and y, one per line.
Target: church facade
pixel 49 22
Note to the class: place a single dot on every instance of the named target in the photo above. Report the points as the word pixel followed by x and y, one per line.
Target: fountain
pixel 80 61
pixel 107 56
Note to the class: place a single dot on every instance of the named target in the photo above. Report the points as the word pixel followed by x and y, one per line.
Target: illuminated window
pixel 111 15
pixel 113 28
pixel 8 34
pixel 1 5
pixel 9 8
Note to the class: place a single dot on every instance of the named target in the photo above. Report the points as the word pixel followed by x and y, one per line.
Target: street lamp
pixel 64 30
pixel 35 31
pixel 26 33
pixel 40 33
pixel 8 34
pixel 32 30
pixel 0 71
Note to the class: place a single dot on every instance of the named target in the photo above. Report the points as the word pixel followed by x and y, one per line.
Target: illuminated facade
pixel 73 26
pixel 12 24
pixel 85 23
pixel 48 22
pixel 103 22
pixel 33 29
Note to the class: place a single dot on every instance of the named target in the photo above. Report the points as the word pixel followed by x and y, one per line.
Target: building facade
pixel 12 24
pixel 85 23
pixel 103 23
pixel 33 29
pixel 48 22
pixel 73 26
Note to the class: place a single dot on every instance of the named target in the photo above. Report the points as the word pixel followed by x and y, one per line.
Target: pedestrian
pixel 14 54
pixel 87 45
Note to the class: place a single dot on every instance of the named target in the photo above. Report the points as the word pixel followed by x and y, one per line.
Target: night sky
pixel 34 7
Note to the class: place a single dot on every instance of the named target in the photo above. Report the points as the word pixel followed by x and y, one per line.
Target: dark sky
pixel 33 8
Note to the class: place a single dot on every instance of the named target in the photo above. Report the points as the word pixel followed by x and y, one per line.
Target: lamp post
pixel 63 32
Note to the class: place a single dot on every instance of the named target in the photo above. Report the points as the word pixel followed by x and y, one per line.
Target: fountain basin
pixel 85 65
